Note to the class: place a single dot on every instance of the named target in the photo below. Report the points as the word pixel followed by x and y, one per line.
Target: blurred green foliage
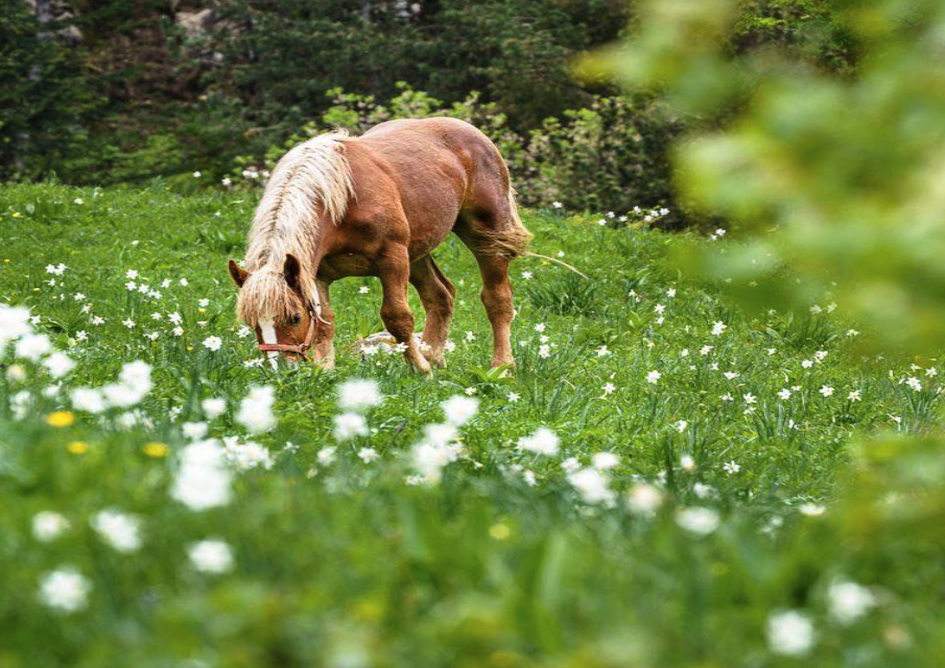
pixel 846 170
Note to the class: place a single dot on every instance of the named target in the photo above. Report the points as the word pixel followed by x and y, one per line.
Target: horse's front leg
pixel 436 292
pixel 324 346
pixel 394 272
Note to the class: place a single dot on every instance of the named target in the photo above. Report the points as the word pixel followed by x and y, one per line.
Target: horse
pixel 378 204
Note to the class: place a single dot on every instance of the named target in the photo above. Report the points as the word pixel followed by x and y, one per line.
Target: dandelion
pixel 64 589
pixel 542 441
pixel 60 419
pixel 120 530
pixel 48 526
pixel 653 377
pixel 359 395
pixel 211 556
pixel 77 447
pixel 790 633
pixel 156 449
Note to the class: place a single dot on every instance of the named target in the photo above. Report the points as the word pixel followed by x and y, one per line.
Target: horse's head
pixel 273 303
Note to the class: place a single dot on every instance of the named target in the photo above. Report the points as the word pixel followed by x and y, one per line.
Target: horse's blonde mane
pixel 311 179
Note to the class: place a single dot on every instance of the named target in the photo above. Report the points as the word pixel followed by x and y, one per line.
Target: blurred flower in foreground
pixel 790 633
pixel 64 589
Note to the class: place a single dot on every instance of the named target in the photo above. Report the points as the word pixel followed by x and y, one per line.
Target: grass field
pixel 723 490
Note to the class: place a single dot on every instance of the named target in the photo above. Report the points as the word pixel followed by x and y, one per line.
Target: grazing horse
pixel 377 205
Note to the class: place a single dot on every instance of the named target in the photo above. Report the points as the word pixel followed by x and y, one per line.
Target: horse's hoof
pixel 422 366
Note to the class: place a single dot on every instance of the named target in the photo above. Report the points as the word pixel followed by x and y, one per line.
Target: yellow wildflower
pixel 155 449
pixel 78 447
pixel 60 419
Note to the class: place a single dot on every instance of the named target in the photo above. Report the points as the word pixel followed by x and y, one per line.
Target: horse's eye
pixel 296 319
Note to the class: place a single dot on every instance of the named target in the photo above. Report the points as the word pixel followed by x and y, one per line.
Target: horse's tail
pixel 510 240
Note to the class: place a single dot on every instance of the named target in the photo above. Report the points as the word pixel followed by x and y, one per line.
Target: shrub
pixel 609 156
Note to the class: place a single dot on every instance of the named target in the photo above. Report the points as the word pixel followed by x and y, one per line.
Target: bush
pixel 44 101
pixel 609 156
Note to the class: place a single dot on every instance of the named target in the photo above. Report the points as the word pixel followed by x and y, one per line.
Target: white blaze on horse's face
pixel 267 327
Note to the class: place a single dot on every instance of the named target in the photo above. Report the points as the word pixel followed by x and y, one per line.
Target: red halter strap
pixel 300 349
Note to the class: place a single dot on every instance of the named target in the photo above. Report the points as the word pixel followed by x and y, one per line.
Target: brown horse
pixel 377 205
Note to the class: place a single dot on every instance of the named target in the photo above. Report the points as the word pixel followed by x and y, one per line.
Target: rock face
pixel 56 11
pixel 195 24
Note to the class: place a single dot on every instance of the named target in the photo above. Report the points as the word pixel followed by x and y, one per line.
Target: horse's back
pixel 431 142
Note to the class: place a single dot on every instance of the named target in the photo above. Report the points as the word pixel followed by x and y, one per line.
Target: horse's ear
pixel 292 270
pixel 238 273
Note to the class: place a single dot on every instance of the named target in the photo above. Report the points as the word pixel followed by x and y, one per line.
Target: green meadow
pixel 666 479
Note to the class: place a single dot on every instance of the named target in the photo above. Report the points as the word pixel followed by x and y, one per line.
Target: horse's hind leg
pixel 436 292
pixel 394 272
pixel 496 239
pixel 496 296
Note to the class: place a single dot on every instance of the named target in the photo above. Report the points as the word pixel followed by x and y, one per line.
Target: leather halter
pixel 299 349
